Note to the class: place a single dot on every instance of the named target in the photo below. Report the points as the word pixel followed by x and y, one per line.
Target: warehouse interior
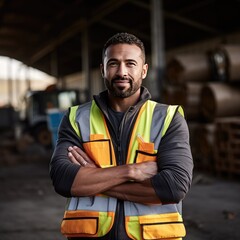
pixel 193 51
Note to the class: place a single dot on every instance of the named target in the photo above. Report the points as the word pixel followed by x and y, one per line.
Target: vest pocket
pixel 145 151
pixel 75 223
pixel 100 152
pixel 164 226
pixel 142 156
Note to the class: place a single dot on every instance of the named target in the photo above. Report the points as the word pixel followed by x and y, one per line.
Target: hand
pixel 142 171
pixel 78 156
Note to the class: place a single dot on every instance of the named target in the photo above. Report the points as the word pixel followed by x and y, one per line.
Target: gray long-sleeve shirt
pixel 174 156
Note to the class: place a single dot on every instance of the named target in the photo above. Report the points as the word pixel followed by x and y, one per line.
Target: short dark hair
pixel 124 38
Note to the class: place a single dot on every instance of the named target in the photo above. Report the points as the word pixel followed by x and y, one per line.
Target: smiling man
pixel 123 160
pixel 125 69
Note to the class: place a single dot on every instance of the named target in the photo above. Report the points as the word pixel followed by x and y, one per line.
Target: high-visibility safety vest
pixel 94 216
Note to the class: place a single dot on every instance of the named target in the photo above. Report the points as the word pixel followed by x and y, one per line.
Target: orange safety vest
pixel 94 216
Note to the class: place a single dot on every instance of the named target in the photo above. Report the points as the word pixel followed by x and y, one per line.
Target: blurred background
pixel 50 53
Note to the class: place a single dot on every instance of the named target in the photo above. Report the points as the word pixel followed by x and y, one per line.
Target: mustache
pixel 121 78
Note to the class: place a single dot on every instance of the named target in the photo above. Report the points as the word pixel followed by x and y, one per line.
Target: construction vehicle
pixel 38 103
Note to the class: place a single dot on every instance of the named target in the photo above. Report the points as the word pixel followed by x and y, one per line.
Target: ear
pixel 144 71
pixel 102 70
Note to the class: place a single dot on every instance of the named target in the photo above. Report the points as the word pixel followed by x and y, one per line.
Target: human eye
pixel 112 63
pixel 131 63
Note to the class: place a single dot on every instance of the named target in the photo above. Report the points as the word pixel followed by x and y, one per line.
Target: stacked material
pixel 227 145
pixel 220 100
pixel 207 85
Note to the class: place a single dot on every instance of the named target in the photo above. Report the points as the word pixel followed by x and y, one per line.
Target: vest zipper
pixel 119 208
pixel 119 138
pixel 119 220
pixel 119 162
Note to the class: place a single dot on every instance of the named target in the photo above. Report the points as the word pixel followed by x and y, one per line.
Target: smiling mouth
pixel 121 83
pixel 121 80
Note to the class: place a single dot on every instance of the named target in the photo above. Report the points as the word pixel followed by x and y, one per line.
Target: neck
pixel 122 104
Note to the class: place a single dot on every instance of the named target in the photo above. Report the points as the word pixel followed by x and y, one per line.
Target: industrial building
pixel 193 52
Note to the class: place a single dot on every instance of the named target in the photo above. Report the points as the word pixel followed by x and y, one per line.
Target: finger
pixel 83 154
pixel 72 158
pixel 82 157
pixel 79 158
pixel 76 157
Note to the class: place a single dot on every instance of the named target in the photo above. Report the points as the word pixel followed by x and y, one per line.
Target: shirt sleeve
pixel 175 163
pixel 62 171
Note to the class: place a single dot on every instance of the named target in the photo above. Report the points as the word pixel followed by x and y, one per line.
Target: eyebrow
pixel 127 60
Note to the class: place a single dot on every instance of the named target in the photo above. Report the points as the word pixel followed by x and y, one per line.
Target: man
pixel 123 160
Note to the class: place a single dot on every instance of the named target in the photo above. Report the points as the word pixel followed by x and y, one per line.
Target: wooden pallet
pixel 227 146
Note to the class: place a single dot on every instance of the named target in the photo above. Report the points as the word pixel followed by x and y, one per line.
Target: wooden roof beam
pixel 179 18
pixel 76 28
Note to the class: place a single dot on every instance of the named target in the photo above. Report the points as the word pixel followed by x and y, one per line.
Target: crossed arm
pixel 135 182
pixel 126 182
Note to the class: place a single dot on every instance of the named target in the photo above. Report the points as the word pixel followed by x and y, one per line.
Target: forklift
pixel 38 103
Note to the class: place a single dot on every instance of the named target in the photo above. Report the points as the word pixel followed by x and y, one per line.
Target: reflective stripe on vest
pixel 142 221
pixel 91 216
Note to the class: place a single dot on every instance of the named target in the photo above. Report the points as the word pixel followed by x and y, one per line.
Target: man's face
pixel 123 69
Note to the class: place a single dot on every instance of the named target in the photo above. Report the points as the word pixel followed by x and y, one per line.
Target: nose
pixel 122 70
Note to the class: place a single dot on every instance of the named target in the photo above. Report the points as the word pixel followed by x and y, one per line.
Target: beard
pixel 122 92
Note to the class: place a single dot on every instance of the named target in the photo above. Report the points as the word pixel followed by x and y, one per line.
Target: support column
pixel 86 62
pixel 158 49
pixel 10 83
pixel 54 68
pixel 18 86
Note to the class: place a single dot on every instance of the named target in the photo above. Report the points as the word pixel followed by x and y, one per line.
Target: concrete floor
pixel 212 209
pixel 31 210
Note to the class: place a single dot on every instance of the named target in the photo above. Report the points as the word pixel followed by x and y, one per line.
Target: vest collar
pixel 102 99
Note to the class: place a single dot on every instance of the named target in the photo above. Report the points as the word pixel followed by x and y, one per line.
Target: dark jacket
pixel 174 155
